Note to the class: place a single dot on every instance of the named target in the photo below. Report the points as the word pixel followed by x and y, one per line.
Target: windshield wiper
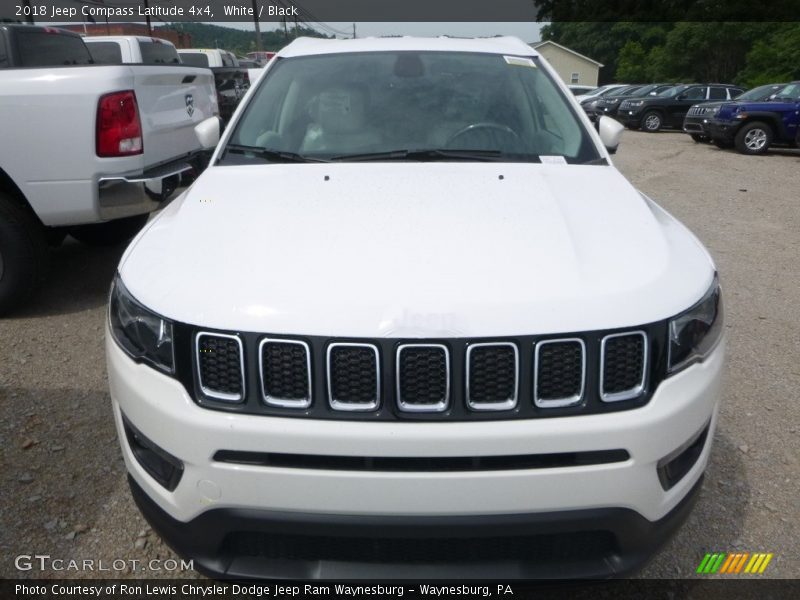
pixel 271 155
pixel 425 155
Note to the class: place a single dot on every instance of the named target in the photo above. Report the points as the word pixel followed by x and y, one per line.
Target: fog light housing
pixel 159 464
pixel 674 467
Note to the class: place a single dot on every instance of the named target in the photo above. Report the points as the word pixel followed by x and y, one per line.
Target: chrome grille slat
pixel 495 377
pixel 411 404
pixel 541 362
pixel 271 380
pixel 631 363
pixel 211 360
pixel 353 381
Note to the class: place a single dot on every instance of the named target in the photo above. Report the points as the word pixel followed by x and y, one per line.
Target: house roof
pixel 537 45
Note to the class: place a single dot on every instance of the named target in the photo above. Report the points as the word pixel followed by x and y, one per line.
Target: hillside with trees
pixel 747 53
pixel 239 41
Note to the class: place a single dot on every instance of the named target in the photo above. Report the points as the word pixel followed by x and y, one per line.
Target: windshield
pixel 760 93
pixel 105 53
pixel 790 92
pixel 194 59
pixel 673 91
pixel 158 53
pixel 355 106
pixel 46 48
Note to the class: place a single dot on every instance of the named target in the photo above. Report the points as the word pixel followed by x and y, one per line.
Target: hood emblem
pixel 190 104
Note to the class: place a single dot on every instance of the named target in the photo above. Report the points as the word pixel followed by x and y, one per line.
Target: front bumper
pixel 253 543
pixel 630 118
pixel 624 498
pixel 723 130
pixel 696 125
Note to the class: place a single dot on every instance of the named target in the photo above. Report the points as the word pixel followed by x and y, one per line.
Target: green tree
pixel 773 59
pixel 632 64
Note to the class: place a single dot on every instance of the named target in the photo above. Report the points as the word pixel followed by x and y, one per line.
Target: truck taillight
pixel 119 130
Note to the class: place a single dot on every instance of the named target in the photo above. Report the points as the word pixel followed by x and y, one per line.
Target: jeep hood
pixel 415 250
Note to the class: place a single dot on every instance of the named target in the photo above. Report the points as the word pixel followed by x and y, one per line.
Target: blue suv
pixel 754 126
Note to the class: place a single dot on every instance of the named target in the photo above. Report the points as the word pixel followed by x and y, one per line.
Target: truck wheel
pixel 652 121
pixel 110 233
pixel 23 254
pixel 754 138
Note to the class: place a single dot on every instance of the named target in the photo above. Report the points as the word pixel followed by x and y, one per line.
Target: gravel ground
pixel 62 481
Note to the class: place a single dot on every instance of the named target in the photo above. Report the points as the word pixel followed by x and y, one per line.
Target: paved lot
pixel 62 482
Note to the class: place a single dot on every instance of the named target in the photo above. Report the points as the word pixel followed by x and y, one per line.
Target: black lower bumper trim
pixel 248 543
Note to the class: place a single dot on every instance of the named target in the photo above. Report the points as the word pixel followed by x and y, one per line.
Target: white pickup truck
pixel 231 80
pixel 87 149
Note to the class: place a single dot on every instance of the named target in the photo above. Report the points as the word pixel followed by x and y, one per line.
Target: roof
pixel 304 46
pixel 538 45
pixel 116 38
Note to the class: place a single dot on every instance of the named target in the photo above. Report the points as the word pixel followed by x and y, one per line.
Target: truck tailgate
pixel 172 100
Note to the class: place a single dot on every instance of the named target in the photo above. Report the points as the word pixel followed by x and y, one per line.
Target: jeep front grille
pixel 492 376
pixel 449 379
pixel 623 357
pixel 353 376
pixel 285 369
pixel 423 377
pixel 220 366
pixel 559 372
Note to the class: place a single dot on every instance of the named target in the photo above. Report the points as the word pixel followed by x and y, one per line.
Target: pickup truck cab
pixel 755 125
pixel 132 49
pixel 668 108
pixel 231 80
pixel 412 322
pixel 87 149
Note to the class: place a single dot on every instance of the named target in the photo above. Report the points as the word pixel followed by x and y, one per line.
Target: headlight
pixel 144 335
pixel 635 102
pixel 695 332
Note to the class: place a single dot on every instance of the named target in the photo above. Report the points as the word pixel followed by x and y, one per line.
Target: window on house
pixel 575 78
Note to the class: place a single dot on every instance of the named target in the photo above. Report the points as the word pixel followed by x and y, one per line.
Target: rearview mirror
pixel 207 132
pixel 610 131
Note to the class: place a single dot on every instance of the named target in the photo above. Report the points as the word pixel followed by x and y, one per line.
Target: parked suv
pixel 696 121
pixel 670 107
pixel 609 105
pixel 389 333
pixel 754 126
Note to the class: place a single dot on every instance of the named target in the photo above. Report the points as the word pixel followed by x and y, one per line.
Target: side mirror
pixel 610 131
pixel 208 133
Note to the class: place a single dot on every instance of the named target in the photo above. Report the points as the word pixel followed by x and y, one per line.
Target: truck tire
pixel 23 254
pixel 110 233
pixel 754 138
pixel 652 121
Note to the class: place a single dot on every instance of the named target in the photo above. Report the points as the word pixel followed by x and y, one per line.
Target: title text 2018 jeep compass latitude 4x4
pixel 412 322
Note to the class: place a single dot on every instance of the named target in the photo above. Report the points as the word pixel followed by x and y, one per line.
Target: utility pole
pixel 354 31
pixel 285 30
pixel 147 18
pixel 29 14
pixel 258 27
pixel 296 32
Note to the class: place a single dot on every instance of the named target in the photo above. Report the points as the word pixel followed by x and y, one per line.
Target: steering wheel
pixel 504 129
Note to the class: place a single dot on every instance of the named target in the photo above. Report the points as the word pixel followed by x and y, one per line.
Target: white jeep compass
pixel 412 322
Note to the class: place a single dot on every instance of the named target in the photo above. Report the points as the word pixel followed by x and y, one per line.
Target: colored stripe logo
pixel 734 563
